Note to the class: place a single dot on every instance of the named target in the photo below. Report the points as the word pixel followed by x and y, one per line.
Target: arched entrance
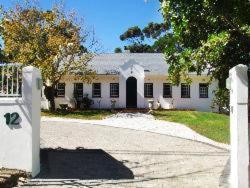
pixel 131 92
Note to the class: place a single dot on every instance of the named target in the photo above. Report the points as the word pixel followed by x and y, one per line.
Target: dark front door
pixel 131 92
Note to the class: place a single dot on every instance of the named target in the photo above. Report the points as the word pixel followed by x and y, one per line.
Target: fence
pixel 10 80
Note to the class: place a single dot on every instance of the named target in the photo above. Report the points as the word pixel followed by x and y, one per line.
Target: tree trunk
pixel 50 92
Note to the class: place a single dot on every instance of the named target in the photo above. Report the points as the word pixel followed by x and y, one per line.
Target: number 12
pixel 12 119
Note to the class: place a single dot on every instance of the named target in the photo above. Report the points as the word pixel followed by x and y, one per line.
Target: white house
pixel 132 79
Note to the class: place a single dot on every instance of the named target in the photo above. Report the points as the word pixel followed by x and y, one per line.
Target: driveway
pixel 85 155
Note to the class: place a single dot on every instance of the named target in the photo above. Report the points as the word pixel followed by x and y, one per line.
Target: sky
pixel 108 18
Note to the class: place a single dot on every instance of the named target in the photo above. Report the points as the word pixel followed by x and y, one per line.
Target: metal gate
pixel 10 80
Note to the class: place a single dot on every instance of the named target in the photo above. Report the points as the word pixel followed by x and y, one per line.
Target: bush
pixel 221 100
pixel 86 102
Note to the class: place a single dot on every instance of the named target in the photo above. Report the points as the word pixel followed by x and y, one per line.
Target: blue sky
pixel 109 18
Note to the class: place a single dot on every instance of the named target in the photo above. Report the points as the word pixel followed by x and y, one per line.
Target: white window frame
pixel 170 89
pixel 60 92
pixel 94 95
pixel 203 90
pixel 114 90
pixel 147 90
pixel 185 88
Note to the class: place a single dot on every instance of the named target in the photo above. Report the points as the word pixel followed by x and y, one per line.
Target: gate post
pixel 239 126
pixel 20 125
pixel 31 94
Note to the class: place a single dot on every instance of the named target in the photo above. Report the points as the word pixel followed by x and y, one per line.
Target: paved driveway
pixel 100 156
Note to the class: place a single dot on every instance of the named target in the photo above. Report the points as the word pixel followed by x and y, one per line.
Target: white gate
pixel 20 101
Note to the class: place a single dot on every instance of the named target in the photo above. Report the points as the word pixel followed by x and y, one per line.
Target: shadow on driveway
pixel 84 164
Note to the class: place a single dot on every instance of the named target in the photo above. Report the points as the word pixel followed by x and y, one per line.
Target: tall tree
pixel 49 40
pixel 154 30
pixel 211 35
pixel 136 38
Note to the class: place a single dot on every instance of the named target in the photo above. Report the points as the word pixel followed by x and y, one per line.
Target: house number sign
pixel 12 118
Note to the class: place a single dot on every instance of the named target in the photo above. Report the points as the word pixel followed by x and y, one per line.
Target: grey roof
pixel 153 63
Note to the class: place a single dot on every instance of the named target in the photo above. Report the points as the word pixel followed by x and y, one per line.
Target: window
pixel 203 90
pixel 96 90
pixel 185 91
pixel 167 90
pixel 60 90
pixel 114 90
pixel 148 90
pixel 78 90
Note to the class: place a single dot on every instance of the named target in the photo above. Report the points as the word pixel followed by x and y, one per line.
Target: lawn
pixel 85 114
pixel 212 125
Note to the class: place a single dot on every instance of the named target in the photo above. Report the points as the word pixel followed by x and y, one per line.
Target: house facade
pixel 133 80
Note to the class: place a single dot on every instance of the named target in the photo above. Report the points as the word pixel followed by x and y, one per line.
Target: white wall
pixel 20 144
pixel 194 102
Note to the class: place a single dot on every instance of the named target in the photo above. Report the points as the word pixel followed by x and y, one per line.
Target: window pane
pixel 203 90
pixel 96 90
pixel 148 90
pixel 60 91
pixel 114 90
pixel 185 91
pixel 78 90
pixel 167 90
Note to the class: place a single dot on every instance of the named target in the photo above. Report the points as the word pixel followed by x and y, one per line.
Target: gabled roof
pixel 153 63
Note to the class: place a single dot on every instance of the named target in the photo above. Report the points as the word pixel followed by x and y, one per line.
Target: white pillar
pixel 31 94
pixel 239 127
pixel 20 141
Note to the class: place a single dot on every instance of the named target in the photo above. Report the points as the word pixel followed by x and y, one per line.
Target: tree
pixel 49 40
pixel 136 38
pixel 139 48
pixel 118 50
pixel 211 35
pixel 154 30
pixel 133 34
pixel 207 34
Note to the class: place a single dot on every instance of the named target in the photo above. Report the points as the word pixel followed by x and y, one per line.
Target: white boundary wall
pixel 20 144
pixel 238 85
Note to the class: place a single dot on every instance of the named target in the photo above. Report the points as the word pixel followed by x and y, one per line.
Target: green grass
pixel 212 125
pixel 85 114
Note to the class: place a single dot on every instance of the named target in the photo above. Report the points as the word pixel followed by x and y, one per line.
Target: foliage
pixel 139 48
pixel 87 102
pixel 221 100
pixel 134 34
pixel 136 38
pixel 85 114
pixel 154 30
pixel 118 50
pixel 211 125
pixel 207 34
pixel 50 40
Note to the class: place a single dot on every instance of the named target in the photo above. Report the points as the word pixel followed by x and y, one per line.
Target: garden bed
pixel 77 114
